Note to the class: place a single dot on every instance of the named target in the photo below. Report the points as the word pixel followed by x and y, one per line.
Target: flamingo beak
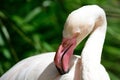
pixel 64 54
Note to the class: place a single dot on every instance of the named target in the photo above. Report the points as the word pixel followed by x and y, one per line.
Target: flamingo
pixel 62 64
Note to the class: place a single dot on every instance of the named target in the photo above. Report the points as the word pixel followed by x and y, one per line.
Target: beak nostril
pixel 65 44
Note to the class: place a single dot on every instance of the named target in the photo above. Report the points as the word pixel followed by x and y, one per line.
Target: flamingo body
pixel 80 23
pixel 33 68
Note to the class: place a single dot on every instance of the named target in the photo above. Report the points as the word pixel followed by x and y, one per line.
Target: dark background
pixel 31 27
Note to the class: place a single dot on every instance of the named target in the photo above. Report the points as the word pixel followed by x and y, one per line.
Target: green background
pixel 31 27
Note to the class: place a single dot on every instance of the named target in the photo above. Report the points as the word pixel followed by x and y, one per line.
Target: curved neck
pixel 91 53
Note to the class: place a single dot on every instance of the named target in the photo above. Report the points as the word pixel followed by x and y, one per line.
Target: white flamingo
pixel 86 20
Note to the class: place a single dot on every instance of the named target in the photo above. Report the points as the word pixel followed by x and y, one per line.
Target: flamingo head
pixel 74 31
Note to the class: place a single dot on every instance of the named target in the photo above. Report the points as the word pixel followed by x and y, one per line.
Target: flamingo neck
pixel 92 51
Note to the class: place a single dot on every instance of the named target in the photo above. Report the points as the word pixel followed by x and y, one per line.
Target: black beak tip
pixel 62 72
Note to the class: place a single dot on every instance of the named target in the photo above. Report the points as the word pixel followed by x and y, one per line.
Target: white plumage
pixel 89 19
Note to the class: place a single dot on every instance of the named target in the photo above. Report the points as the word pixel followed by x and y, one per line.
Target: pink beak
pixel 64 54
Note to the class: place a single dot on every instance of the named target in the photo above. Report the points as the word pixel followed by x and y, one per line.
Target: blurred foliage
pixel 30 27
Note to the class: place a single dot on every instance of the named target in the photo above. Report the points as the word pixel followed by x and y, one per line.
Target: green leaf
pixel 6 53
pixel 113 76
pixel 32 14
